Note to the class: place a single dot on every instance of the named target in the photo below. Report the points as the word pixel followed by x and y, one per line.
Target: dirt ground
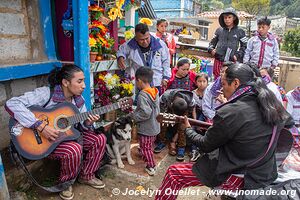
pixel 120 181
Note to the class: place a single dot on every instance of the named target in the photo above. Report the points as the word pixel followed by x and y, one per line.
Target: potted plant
pixel 93 48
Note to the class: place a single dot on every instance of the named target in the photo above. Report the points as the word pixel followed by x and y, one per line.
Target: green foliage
pixel 253 7
pixel 217 4
pixel 209 5
pixel 291 41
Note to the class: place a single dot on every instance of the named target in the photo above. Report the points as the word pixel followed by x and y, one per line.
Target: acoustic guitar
pixel 171 119
pixel 33 146
pixel 284 141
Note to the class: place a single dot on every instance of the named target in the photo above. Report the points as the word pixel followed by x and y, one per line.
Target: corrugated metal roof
pixel 147 10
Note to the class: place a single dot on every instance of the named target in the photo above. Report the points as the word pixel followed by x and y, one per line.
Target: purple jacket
pixel 264 53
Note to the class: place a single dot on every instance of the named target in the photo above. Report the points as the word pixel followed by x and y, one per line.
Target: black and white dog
pixel 118 141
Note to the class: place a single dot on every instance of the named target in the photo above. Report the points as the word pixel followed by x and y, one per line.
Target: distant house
pixel 175 8
pixel 213 16
pixel 280 24
pixel 199 25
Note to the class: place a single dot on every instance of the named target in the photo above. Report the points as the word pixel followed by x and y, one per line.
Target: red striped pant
pixel 217 68
pixel 69 154
pixel 146 149
pixel 179 176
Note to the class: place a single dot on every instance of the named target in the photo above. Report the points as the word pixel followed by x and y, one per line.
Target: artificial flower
pixel 96 8
pixel 114 13
pixel 100 26
pixel 146 21
pixel 128 34
pixel 110 88
pixel 120 3
pixel 92 42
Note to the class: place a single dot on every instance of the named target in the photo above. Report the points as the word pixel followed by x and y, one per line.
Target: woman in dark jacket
pixel 242 131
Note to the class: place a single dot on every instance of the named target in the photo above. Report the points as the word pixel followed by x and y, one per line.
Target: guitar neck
pixel 98 111
pixel 195 122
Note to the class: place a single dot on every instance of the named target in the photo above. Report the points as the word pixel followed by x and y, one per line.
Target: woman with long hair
pixel 242 129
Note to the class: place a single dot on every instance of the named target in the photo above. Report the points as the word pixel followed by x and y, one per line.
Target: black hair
pixel 145 74
pixel 141 28
pixel 264 21
pixel 159 21
pixel 183 61
pixel 202 74
pixel 271 109
pixel 227 63
pixel 179 106
pixel 270 70
pixel 58 74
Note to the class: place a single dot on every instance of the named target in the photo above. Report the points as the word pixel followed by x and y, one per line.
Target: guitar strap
pixel 51 94
pixel 18 160
pixel 273 141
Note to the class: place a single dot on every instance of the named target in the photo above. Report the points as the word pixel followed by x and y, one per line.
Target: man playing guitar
pixel 67 84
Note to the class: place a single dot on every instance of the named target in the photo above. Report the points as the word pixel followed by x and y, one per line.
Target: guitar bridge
pixel 37 136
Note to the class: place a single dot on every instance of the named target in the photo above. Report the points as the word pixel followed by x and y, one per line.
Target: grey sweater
pixel 146 113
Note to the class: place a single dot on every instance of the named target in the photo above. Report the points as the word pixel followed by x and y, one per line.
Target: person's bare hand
pixel 91 119
pixel 234 58
pixel 213 52
pixel 164 83
pixel 221 98
pixel 186 122
pixel 48 132
pixel 121 63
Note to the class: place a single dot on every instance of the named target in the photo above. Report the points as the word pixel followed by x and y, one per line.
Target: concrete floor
pixel 132 178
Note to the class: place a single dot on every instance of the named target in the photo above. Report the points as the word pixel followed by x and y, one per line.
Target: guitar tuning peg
pixel 172 125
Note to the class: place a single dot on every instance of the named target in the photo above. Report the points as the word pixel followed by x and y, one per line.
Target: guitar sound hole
pixel 62 123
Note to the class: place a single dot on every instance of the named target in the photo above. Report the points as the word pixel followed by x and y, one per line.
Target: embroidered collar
pixel 237 94
pixel 154 43
pixel 267 79
pixel 270 36
pixel 296 94
pixel 216 86
pixel 58 96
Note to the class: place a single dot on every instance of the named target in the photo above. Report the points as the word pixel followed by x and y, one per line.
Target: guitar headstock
pixel 125 103
pixel 167 119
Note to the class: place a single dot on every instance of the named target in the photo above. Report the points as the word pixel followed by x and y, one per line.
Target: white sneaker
pixel 150 170
pixel 195 155
pixel 67 194
pixel 94 182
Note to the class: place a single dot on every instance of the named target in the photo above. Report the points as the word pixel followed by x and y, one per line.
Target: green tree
pixel 291 41
pixel 217 4
pixel 253 7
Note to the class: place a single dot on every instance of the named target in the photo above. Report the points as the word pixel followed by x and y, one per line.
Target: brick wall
pixel 20 35
pixel 21 42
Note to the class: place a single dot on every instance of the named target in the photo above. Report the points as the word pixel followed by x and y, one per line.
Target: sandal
pixel 172 149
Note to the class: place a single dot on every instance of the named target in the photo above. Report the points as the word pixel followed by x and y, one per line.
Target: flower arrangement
pixel 115 12
pixel 109 87
pixel 99 38
pixel 93 44
pixel 146 21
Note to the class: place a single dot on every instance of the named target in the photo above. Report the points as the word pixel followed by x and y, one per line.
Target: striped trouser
pixel 179 176
pixel 69 154
pixel 146 149
pixel 217 68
